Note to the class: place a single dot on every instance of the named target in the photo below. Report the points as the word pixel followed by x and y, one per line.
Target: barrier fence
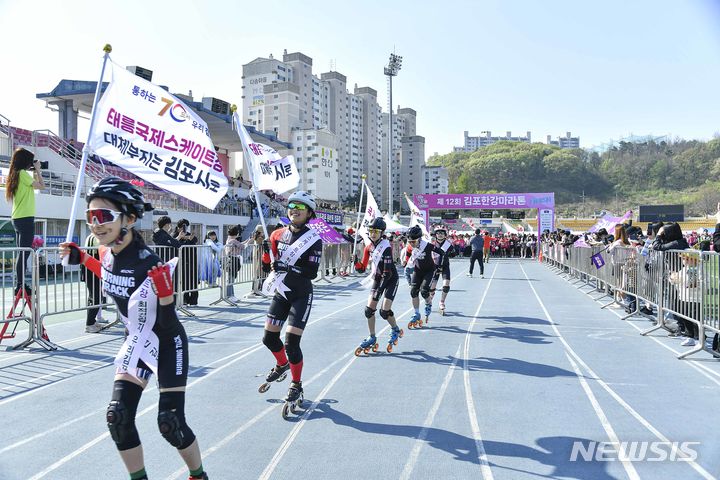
pixel 678 286
pixel 57 290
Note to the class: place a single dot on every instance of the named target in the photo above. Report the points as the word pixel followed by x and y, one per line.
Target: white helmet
pixel 303 197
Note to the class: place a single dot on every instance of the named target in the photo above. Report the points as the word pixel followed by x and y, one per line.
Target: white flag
pixel 417 217
pixel 371 212
pixel 150 133
pixel 270 170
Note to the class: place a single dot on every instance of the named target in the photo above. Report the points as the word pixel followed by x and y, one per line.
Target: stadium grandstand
pixel 63 155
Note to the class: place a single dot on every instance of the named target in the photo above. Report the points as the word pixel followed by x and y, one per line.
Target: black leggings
pixel 24 234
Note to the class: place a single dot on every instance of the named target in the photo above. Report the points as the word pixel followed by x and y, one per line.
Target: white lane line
pixel 702 369
pixel 97 439
pixel 280 453
pixel 227 439
pixel 472 413
pixel 569 351
pixel 600 413
pixel 429 419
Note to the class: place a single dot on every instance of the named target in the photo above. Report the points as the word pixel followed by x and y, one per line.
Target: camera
pixel 43 166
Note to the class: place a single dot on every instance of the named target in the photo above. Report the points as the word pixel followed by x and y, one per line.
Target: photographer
pixel 189 259
pixel 162 238
pixel 19 189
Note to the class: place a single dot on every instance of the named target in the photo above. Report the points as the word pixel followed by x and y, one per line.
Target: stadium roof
pixel 82 93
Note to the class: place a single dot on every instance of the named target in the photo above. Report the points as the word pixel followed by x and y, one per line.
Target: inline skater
pixel 384 279
pixel 297 250
pixel 419 255
pixel 443 266
pixel 142 289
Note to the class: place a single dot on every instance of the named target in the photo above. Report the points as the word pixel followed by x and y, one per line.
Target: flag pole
pixel 357 223
pixel 247 157
pixel 86 149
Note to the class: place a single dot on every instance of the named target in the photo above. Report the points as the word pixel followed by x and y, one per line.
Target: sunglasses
pixel 374 230
pixel 101 216
pixel 297 206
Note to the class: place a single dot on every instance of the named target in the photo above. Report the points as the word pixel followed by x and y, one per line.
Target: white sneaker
pixel 94 328
pixel 689 342
pixel 482 276
pixel 102 320
pixel 469 275
pixel 233 299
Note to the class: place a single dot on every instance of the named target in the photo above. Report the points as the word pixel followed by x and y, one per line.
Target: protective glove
pixel 162 280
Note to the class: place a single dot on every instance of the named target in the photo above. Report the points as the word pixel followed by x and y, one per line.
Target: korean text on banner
pixel 271 171
pixel 371 213
pixel 150 133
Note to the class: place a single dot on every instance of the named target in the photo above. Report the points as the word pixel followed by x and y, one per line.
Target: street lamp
pixel 391 71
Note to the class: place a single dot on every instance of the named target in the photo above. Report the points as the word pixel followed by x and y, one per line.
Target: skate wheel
pixel 394 342
pixel 358 351
pixel 264 388
pixel 286 410
pixel 375 347
pixel 402 332
pixel 366 350
pixel 419 323
pixel 389 348
pixel 410 325
pixel 282 377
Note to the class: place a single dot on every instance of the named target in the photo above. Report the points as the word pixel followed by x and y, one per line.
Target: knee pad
pixel 120 414
pixel 385 314
pixel 369 312
pixel 171 420
pixel 446 288
pixel 425 292
pixel 292 348
pixel 272 341
pixel 414 291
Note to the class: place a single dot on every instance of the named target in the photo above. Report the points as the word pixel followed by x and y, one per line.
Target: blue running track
pixel 522 369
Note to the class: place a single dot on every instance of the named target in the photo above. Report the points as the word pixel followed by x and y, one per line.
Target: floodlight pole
pixel 391 71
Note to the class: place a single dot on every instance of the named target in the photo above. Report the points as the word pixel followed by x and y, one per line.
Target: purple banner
pixel 598 260
pixel 543 202
pixel 333 218
pixel 608 222
pixel 327 233
pixel 485 200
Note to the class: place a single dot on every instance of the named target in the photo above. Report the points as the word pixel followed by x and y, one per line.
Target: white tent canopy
pixel 393 226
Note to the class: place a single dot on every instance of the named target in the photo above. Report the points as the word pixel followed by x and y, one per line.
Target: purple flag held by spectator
pixel 598 260
pixel 327 233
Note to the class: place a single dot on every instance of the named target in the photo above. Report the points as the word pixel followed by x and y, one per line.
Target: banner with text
pixel 150 133
pixel 327 233
pixel 271 171
pixel 371 212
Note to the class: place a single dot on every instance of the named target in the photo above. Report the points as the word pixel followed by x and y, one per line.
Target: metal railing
pixel 57 290
pixel 680 286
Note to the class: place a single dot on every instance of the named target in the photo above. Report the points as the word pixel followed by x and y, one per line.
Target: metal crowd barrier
pixel 683 286
pixel 16 306
pixel 57 290
pixel 61 289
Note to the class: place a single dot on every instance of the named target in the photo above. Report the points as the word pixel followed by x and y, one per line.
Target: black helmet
pixel 414 232
pixel 128 197
pixel 378 224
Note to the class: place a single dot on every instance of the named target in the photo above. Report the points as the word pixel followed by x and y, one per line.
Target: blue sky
pixel 600 69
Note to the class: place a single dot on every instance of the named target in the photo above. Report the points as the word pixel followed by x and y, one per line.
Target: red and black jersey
pixel 386 269
pixel 306 267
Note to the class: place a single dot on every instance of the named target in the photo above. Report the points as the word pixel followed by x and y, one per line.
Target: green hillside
pixel 685 172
